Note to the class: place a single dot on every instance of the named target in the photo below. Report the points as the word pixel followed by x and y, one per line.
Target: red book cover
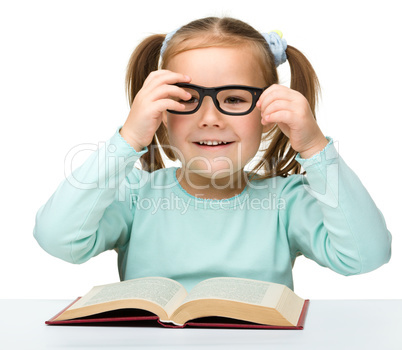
pixel 147 319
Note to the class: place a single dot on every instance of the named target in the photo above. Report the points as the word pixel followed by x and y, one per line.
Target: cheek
pixel 172 126
pixel 253 129
pixel 176 126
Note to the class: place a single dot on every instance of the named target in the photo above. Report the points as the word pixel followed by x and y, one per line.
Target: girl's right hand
pixel 154 98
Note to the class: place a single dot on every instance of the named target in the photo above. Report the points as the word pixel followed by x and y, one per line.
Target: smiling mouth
pixel 213 143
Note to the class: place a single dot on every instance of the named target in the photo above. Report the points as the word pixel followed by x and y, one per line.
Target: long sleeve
pixel 90 211
pixel 331 218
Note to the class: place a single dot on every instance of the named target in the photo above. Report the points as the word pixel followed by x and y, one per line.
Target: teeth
pixel 212 143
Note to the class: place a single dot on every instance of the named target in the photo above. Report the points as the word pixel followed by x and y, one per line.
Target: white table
pixel 330 324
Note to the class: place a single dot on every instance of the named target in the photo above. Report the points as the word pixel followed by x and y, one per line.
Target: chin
pixel 215 173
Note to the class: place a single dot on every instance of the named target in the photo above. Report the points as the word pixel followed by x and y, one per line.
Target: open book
pixel 215 302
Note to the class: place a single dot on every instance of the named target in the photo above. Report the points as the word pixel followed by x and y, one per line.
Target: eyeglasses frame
pixel 213 92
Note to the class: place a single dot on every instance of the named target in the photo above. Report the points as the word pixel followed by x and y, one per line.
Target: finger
pixel 170 91
pixel 278 92
pixel 275 106
pixel 168 78
pixel 286 101
pixel 157 78
pixel 281 116
pixel 155 74
pixel 164 104
pixel 275 92
pixel 266 92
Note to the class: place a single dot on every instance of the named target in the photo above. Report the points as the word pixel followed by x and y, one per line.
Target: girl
pixel 213 103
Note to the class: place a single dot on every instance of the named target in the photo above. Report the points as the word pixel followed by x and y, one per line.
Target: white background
pixel 62 84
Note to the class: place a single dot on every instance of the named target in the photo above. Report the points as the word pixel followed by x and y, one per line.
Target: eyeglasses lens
pixel 235 101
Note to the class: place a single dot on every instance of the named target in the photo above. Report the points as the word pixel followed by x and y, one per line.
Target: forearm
pixel 69 224
pixel 355 237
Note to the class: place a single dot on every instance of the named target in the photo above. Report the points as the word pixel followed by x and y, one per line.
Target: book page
pixel 163 291
pixel 238 289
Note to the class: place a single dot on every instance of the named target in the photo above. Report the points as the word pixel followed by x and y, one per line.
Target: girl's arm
pixel 90 211
pixel 331 218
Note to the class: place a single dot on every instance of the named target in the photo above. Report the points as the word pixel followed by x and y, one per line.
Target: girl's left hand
pixel 290 110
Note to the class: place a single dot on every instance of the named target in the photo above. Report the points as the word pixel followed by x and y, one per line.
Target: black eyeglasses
pixel 228 99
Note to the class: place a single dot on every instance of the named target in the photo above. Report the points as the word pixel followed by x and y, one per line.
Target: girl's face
pixel 213 67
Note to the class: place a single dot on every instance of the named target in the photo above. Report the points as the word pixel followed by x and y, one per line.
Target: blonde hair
pixel 279 158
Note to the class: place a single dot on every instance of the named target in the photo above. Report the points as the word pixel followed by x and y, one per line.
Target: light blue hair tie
pixel 167 38
pixel 277 45
pixel 274 39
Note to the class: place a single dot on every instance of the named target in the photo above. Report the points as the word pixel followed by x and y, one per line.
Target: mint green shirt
pixel 159 229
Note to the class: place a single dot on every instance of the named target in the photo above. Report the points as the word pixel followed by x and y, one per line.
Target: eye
pixel 193 99
pixel 234 100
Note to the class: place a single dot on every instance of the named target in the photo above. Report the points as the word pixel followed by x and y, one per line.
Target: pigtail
pixel 279 158
pixel 143 61
pixel 304 80
pixel 303 77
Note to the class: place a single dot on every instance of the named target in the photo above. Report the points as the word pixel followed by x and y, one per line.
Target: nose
pixel 209 116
